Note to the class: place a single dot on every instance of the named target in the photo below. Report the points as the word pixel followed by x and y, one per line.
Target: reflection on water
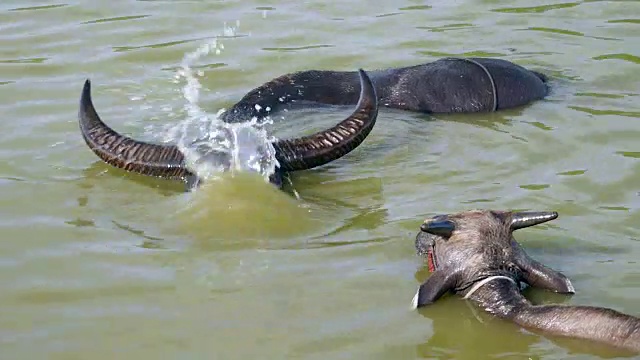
pixel 460 332
pixel 233 207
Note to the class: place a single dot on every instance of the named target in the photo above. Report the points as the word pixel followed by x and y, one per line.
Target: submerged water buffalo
pixel 475 255
pixel 449 85
pixel 167 161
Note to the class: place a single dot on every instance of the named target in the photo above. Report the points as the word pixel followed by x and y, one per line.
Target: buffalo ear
pixel 438 284
pixel 442 228
pixel 537 275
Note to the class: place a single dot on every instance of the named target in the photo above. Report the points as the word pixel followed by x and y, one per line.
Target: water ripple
pixel 416 7
pixel 626 57
pixel 600 95
pixel 38 60
pixel 556 31
pixel 535 186
pixel 591 111
pixel 43 7
pixel 540 125
pixel 572 172
pixel 569 32
pixel 614 208
pixel 474 53
pixel 154 46
pixel 198 67
pixel 287 49
pixel 447 27
pixel 118 18
pixel 388 14
pixel 537 9
pixel 81 241
pixel 623 21
pixel 629 154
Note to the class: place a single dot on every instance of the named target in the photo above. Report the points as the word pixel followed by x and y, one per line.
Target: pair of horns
pixel 167 161
pixel 442 226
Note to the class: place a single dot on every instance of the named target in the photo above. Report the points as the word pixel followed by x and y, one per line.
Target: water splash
pixel 210 145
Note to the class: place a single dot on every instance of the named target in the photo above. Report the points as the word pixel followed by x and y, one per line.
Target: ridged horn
pixel 329 145
pixel 520 220
pixel 165 161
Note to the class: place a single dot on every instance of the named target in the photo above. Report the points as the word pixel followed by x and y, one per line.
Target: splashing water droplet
pixel 211 145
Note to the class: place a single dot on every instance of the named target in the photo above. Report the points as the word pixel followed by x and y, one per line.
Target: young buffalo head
pixel 464 249
pixel 475 255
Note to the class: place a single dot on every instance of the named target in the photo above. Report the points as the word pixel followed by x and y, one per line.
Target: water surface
pixel 97 263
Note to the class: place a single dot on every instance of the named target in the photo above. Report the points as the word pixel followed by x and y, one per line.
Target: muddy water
pixel 96 263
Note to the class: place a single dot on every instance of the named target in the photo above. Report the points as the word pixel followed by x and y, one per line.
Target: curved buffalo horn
pixel 123 152
pixel 329 145
pixel 521 220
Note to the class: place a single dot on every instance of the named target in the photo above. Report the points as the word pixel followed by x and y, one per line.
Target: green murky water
pixel 96 263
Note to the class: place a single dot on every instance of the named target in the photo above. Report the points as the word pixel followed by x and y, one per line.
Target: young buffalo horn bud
pixel 520 220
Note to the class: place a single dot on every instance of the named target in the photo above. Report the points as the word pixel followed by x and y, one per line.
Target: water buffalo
pixel 449 85
pixel 474 254
pixel 168 161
